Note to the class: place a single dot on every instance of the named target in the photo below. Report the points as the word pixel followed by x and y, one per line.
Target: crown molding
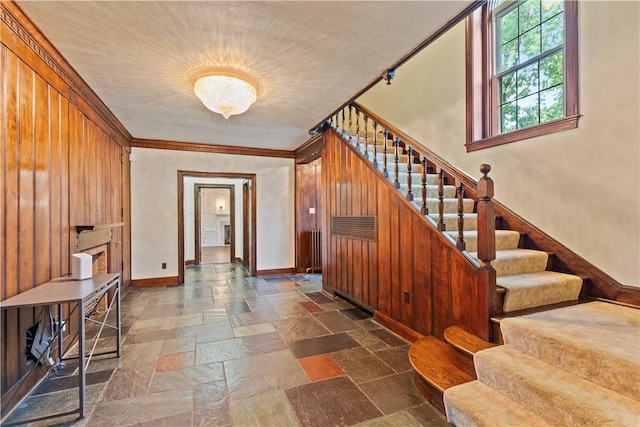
pixel 210 148
pixel 26 31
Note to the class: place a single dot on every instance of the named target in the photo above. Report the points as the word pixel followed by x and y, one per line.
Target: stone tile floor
pixel 226 349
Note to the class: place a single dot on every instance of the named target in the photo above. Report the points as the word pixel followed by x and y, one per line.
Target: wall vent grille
pixel 360 227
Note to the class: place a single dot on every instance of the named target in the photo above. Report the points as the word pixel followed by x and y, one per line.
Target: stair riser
pixel 534 385
pixel 416 178
pixel 509 241
pixel 432 191
pixel 538 289
pixel 537 337
pixel 451 223
pixel 523 265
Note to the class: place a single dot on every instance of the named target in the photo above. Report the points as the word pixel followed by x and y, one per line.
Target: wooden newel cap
pixel 485 184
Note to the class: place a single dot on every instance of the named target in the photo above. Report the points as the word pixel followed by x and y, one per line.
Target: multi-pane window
pixel 529 63
pixel 521 71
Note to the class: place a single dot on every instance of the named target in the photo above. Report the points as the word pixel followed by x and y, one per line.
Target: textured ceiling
pixel 310 57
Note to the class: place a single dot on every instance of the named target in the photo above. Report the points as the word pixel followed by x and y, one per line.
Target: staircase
pixel 572 366
pixel 565 361
pixel 523 278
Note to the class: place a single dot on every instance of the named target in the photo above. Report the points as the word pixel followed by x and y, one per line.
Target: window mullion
pixel 531 60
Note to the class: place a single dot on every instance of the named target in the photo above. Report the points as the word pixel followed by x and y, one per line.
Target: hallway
pixel 226 349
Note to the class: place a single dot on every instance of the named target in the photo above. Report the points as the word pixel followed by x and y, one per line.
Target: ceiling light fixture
pixel 226 92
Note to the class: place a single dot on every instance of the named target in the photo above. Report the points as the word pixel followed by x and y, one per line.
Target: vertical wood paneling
pixel 42 205
pixel 308 191
pixel 384 250
pixel 65 211
pixel 409 255
pixel 55 183
pixel 406 264
pixel 440 268
pixel 11 192
pixel 422 294
pixel 373 247
pixel 26 178
pixel 53 175
pixel 11 208
pixel 26 186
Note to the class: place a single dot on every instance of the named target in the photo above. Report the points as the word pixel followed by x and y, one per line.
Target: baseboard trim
pixel 238 260
pixel 397 327
pixel 276 271
pixel 629 295
pixel 154 281
pixel 190 262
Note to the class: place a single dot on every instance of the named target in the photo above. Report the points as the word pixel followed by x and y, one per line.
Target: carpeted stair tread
pixel 597 340
pixel 505 239
pixel 538 289
pixel 518 261
pixel 476 404
pixel 553 393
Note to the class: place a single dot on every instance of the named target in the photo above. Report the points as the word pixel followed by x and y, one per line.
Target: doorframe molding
pixel 182 174
pixel 198 213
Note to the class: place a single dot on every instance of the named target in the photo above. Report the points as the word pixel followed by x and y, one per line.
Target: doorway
pixel 247 218
pixel 214 214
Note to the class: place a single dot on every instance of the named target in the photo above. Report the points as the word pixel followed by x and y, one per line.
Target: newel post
pixel 487 239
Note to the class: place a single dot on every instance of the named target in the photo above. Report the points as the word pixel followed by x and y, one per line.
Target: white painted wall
pixel 154 210
pixel 189 213
pixel 581 186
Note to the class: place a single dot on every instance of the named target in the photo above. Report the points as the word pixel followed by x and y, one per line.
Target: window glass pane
pixel 528 111
pixel 508 87
pixel 553 32
pixel 529 44
pixel 508 55
pixel 551 104
pixel 527 80
pixel 551 70
pixel 551 8
pixel 529 15
pixel 508 117
pixel 509 26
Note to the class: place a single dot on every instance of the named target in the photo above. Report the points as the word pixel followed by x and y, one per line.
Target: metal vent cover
pixel 360 227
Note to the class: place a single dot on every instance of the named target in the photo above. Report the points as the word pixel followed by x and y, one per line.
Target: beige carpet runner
pixel 573 366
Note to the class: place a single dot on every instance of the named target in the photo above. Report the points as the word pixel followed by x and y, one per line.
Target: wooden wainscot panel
pixel 56 170
pixel 422 282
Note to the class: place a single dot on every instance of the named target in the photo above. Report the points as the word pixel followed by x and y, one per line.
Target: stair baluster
pixel 441 224
pixel 460 243
pixel 409 180
pixel 357 130
pixel 397 162
pixel 424 210
pixel 350 121
pixel 366 137
pixel 375 144
pixel 385 150
pixel 344 121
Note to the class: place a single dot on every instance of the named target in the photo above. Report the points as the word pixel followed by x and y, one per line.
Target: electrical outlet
pixel 164 265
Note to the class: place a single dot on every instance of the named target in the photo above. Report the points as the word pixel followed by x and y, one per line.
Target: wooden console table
pixel 82 293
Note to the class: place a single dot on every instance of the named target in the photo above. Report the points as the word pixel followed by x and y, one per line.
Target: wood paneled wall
pixel 63 163
pixel 308 195
pixel 411 274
